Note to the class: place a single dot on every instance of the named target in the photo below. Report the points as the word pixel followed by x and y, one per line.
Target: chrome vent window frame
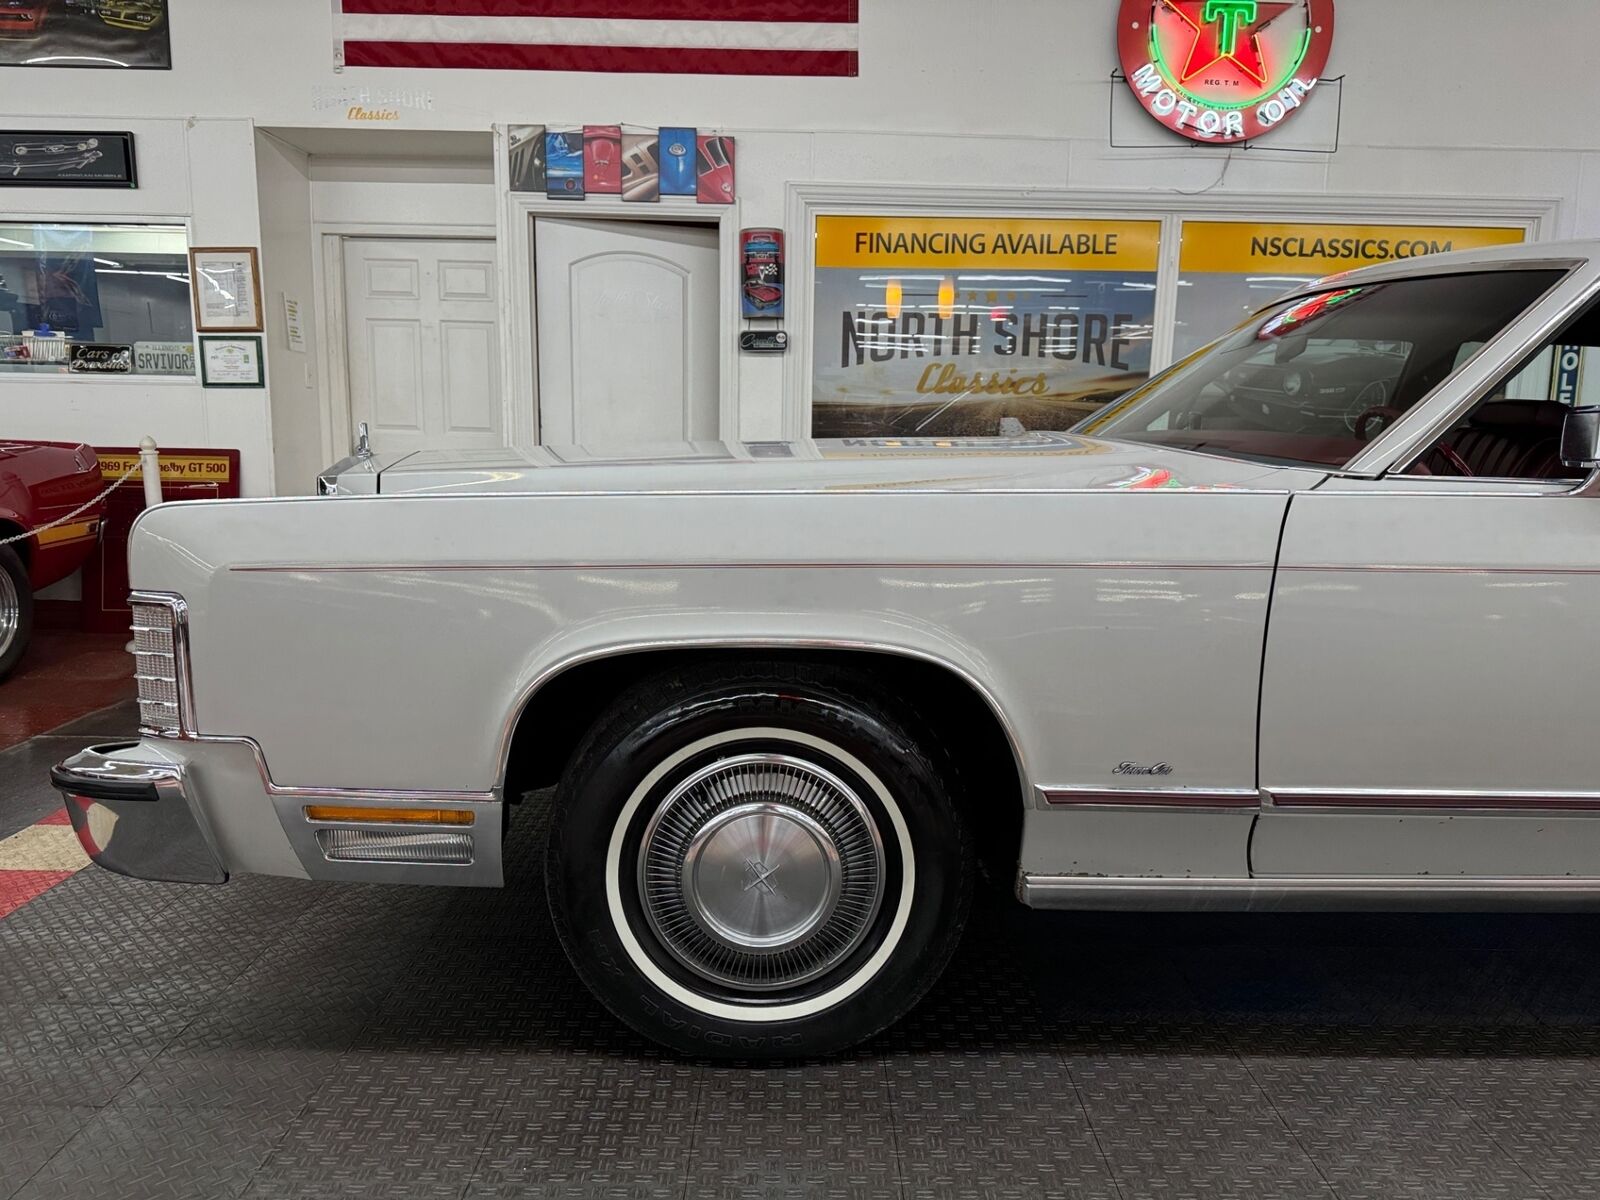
pixel 181 664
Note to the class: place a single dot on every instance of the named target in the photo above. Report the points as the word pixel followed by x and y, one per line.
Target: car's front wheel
pixel 16 610
pixel 757 861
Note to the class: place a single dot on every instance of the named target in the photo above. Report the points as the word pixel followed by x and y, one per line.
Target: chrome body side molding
pixel 1412 893
pixel 1170 797
pixel 1473 801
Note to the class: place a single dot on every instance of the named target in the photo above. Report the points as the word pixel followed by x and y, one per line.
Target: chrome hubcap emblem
pixel 760 876
pixel 761 871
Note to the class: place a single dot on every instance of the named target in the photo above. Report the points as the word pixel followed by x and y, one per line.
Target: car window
pixel 1514 431
pixel 1316 378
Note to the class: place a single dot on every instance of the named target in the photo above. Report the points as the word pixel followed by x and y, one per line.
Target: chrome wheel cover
pixel 761 871
pixel 10 611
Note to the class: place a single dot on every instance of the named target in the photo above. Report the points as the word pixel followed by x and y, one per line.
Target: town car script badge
pixel 1224 70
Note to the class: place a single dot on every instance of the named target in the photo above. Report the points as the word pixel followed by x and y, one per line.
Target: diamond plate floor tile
pixel 1173 1123
pixel 584 1127
pixel 823 1130
pixel 404 1143
pixel 131 1153
pixel 250 1051
pixel 30 1134
pixel 59 1053
pixel 993 1124
pixel 1536 1100
pixel 164 963
pixel 314 964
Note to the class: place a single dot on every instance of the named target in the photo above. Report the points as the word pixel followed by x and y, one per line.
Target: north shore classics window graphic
pixel 1223 71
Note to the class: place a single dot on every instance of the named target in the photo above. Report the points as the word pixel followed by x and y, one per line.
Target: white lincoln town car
pixel 1306 621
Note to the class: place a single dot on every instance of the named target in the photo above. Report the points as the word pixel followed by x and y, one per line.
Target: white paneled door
pixel 627 322
pixel 422 326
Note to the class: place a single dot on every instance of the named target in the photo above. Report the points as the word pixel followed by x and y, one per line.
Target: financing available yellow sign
pixel 949 243
pixel 1247 247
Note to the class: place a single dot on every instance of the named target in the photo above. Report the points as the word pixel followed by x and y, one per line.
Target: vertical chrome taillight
pixel 158 655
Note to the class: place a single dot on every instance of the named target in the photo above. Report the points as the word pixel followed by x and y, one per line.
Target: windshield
pixel 1314 379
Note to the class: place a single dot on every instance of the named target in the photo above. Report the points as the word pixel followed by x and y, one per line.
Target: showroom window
pixel 94 300
pixel 945 326
pixel 1230 269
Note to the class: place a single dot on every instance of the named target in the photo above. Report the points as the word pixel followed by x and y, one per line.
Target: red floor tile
pixel 64 676
pixel 19 887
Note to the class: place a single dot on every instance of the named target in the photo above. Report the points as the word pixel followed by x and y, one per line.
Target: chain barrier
pixel 82 508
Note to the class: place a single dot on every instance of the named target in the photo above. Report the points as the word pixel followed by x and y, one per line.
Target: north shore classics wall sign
pixel 1222 71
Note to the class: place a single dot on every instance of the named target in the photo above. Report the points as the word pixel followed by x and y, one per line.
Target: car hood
pixel 1030 462
pixel 14 450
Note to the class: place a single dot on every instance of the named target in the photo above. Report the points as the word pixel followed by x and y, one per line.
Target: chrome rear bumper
pixel 133 815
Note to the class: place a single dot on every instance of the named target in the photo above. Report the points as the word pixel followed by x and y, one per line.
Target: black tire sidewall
pixel 12 654
pixel 621 752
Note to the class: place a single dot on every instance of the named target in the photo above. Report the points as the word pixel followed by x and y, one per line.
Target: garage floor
pixel 272 1039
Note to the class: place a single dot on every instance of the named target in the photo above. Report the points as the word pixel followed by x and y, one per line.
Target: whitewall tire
pixel 757 861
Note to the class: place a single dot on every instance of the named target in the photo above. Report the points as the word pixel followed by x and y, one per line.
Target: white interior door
pixel 627 317
pixel 423 342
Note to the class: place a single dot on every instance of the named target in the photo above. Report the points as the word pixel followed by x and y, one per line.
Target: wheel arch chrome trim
pixel 561 666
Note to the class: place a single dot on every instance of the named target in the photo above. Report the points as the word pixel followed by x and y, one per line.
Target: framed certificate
pixel 226 283
pixel 232 362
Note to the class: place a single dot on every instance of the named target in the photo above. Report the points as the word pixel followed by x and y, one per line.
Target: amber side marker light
pixel 390 816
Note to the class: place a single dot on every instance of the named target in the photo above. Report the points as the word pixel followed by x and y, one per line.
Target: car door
pixel 1431 655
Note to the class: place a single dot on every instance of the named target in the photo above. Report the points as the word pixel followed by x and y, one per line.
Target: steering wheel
pixel 1380 412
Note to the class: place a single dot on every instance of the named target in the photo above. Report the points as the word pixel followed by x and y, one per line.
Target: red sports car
pixel 21 18
pixel 41 482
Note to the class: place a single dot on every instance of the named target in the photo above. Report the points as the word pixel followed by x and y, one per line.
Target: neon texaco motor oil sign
pixel 1224 70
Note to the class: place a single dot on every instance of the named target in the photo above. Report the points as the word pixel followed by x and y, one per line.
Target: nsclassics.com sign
pixel 1224 70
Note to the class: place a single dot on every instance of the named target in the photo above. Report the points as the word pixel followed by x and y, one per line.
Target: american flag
pixel 684 37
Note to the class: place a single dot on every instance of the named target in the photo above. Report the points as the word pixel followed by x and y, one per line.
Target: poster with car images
pixel 677 161
pixel 60 158
pixel 1227 270
pixel 602 160
pixel 85 33
pixel 563 164
pixel 527 146
pixel 944 326
pixel 714 169
pixel 641 166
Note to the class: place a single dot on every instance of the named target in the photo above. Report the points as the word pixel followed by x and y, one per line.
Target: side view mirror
pixel 1580 437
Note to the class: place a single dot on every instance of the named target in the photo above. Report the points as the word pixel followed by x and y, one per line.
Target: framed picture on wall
pixel 226 282
pixel 97 34
pixel 58 158
pixel 232 362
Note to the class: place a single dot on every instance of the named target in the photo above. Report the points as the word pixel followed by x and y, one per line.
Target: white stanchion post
pixel 150 469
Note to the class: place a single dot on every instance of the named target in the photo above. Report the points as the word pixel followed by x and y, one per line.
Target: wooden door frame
pixel 334 365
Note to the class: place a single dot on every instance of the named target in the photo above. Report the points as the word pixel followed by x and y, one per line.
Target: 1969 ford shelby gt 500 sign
pixel 1306 621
